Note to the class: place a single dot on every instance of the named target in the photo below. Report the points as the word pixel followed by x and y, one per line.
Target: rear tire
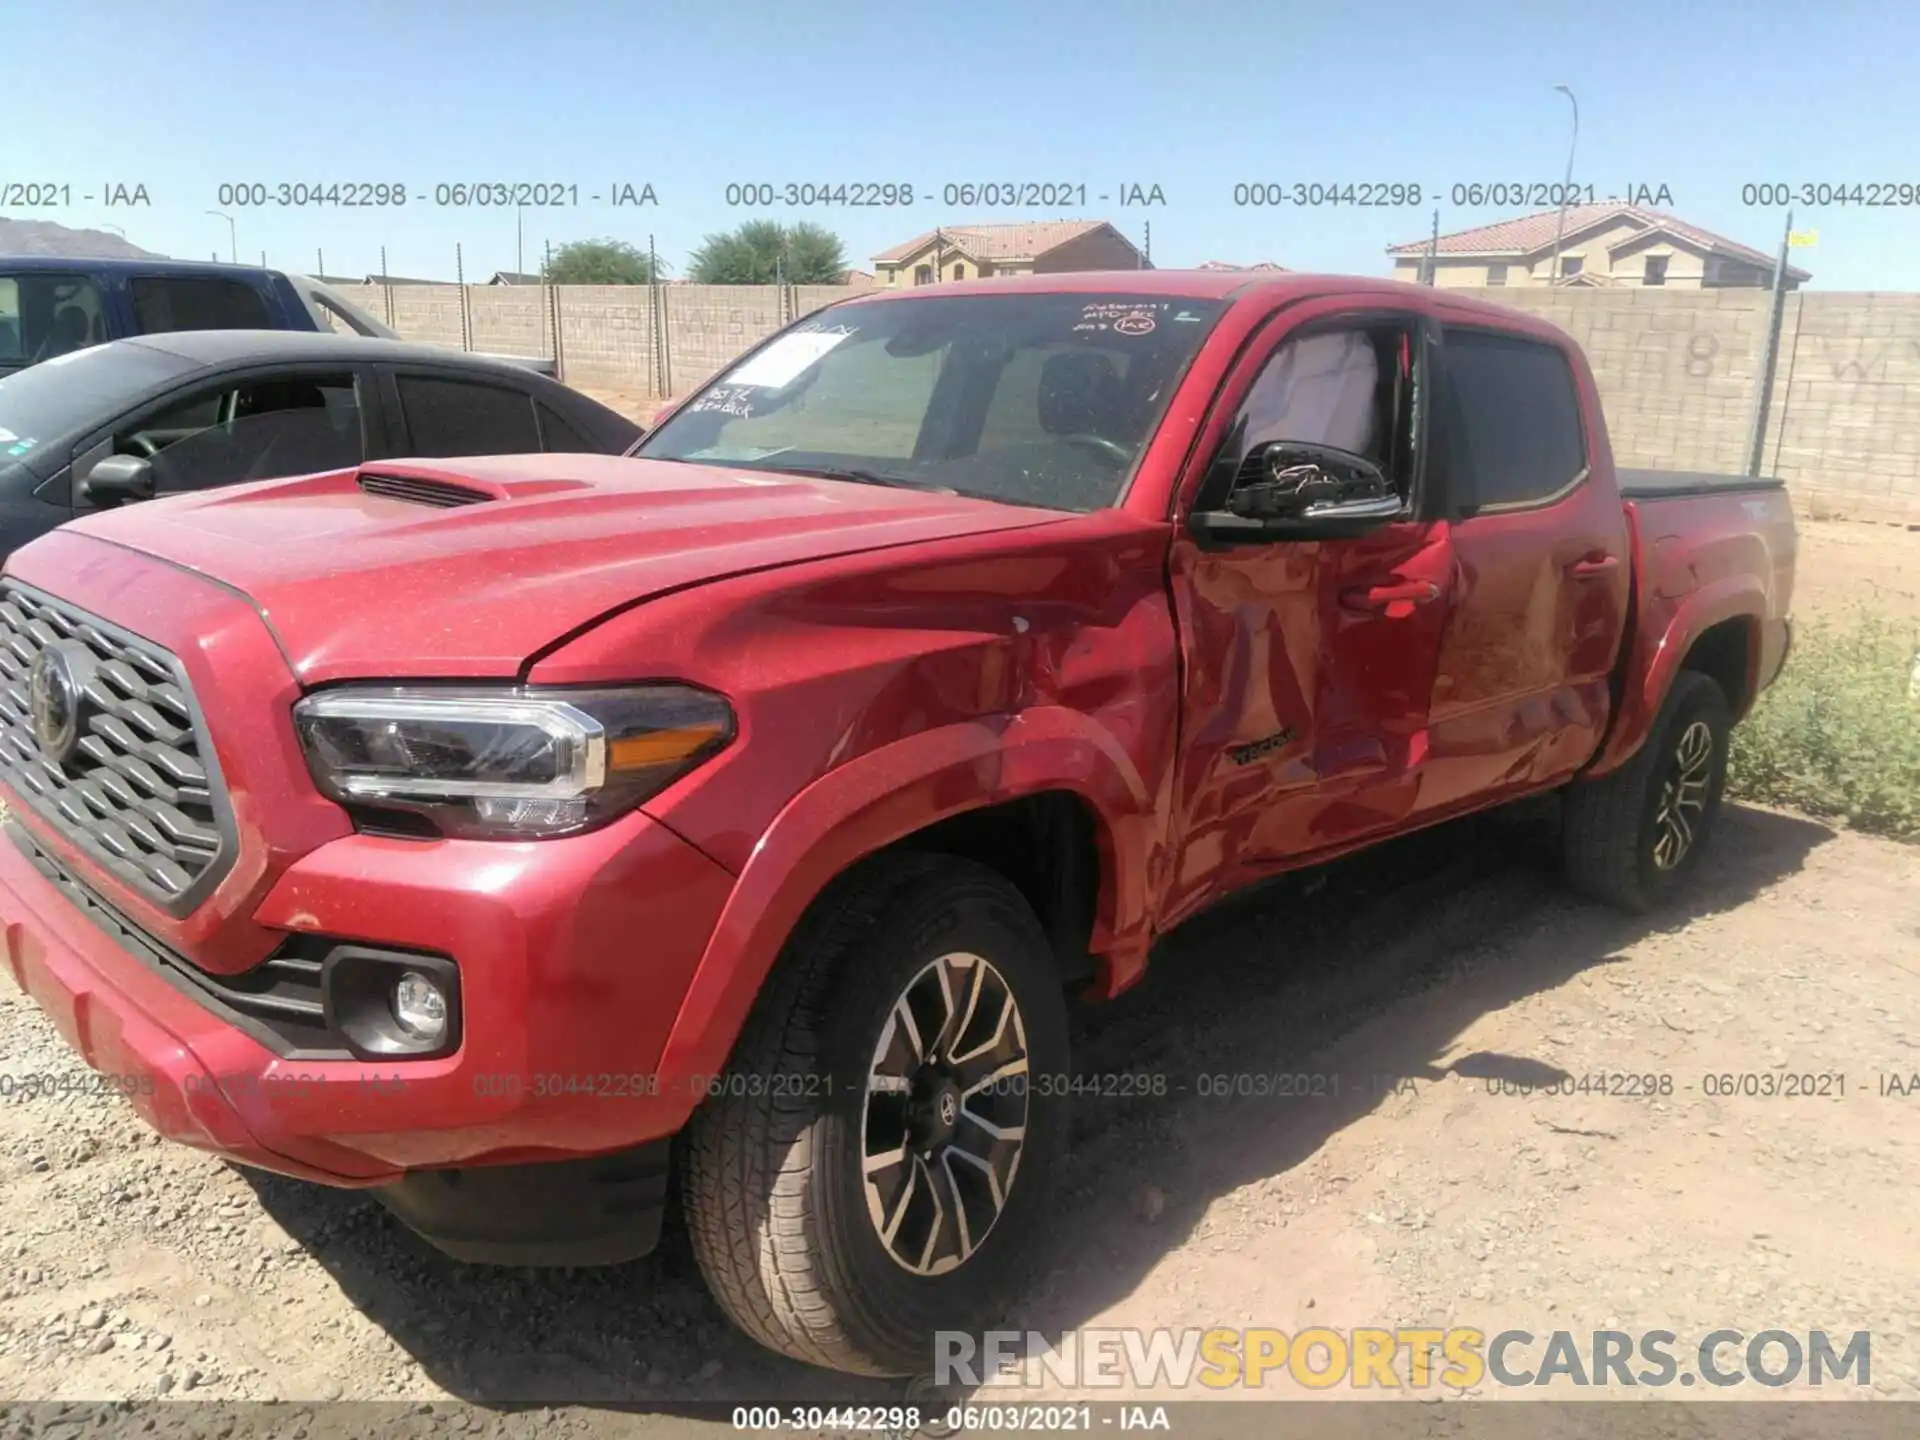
pixel 828 1209
pixel 1632 837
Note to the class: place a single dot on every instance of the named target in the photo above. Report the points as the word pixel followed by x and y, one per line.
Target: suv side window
pixel 43 315
pixel 256 430
pixel 162 303
pixel 559 435
pixel 460 417
pixel 1510 421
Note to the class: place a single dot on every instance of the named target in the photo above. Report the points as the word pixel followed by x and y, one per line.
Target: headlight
pixel 507 763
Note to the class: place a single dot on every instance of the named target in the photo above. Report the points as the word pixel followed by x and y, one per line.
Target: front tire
pixel 878 1160
pixel 1631 838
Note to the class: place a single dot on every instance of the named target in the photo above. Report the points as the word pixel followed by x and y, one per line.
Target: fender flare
pixel 1658 660
pixel 868 803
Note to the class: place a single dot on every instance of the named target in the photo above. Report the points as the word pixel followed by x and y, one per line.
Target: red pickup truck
pixel 509 835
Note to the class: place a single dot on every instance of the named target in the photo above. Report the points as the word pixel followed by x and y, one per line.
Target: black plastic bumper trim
pixel 605 1210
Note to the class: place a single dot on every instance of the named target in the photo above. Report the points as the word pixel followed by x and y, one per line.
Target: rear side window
pixel 559 435
pixel 1511 420
pixel 458 417
pixel 43 315
pixel 162 303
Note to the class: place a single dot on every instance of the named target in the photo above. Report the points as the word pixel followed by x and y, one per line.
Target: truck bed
pixel 1660 484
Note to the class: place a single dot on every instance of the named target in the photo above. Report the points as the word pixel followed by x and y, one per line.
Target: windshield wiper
pixel 858 477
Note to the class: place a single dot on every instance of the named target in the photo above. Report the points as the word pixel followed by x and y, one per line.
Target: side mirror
pixel 116 480
pixel 1293 491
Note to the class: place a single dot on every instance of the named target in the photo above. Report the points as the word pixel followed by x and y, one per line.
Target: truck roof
pixel 220 347
pixel 121 264
pixel 1206 285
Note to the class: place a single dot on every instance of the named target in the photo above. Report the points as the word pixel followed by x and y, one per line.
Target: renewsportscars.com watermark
pixel 1397 1358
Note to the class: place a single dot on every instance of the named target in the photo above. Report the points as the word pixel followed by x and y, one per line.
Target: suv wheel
pixel 878 1158
pixel 1633 836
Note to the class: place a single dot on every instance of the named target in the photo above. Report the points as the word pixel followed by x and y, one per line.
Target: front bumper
pixel 574 956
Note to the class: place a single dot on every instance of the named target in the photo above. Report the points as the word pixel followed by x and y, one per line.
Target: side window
pixel 1510 420
pixel 43 315
pixel 1321 389
pixel 162 303
pixel 1355 388
pixel 459 417
pixel 258 430
pixel 556 434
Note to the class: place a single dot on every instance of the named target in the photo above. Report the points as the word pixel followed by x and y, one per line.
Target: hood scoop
pixel 417 490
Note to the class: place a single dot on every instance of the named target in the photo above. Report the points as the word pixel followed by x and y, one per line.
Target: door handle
pixel 1592 569
pixel 1396 599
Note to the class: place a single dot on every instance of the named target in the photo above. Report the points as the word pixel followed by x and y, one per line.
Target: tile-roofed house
pixel 1035 247
pixel 1608 244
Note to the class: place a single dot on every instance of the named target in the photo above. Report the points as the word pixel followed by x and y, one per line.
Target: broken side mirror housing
pixel 1299 491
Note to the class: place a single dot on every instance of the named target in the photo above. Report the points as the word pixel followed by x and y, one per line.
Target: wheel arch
pixel 1001 793
pixel 1715 630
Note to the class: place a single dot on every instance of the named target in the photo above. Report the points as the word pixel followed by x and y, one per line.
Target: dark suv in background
pixel 53 305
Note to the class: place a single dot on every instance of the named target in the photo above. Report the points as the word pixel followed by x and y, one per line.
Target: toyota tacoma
pixel 512 837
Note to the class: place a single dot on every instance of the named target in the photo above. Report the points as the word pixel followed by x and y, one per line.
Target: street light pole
pixel 1560 227
pixel 116 230
pixel 233 242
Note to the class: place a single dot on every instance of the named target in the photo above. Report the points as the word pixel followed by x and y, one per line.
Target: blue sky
pixel 1702 96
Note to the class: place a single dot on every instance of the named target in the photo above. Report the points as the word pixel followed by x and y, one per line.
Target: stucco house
pixel 1600 245
pixel 975 252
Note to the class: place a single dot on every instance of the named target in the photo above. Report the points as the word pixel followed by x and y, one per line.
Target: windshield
pixel 48 401
pixel 1031 399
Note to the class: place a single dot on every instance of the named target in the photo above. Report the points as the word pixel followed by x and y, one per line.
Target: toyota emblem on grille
pixel 54 695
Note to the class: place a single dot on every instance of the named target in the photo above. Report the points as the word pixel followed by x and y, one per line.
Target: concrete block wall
pixel 606 331
pixel 1677 369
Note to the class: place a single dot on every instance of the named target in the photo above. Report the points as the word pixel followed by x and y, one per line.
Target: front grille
pixel 282 1002
pixel 138 792
pixel 277 1002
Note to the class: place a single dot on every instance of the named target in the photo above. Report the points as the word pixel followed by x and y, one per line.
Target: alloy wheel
pixel 945 1114
pixel 1683 796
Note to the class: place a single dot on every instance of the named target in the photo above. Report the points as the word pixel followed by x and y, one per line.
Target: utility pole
pixel 460 279
pixel 1763 401
pixel 1433 252
pixel 1560 227
pixel 233 243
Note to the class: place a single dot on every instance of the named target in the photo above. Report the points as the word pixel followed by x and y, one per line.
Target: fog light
pixel 419 1006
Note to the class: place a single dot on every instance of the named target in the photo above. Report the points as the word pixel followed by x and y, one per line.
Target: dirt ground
pixel 1434 978
pixel 1842 563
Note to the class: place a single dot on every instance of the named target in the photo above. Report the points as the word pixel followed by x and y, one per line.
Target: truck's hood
pixel 360 584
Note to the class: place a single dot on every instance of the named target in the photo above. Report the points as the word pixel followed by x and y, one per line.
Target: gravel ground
pixel 1423 974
